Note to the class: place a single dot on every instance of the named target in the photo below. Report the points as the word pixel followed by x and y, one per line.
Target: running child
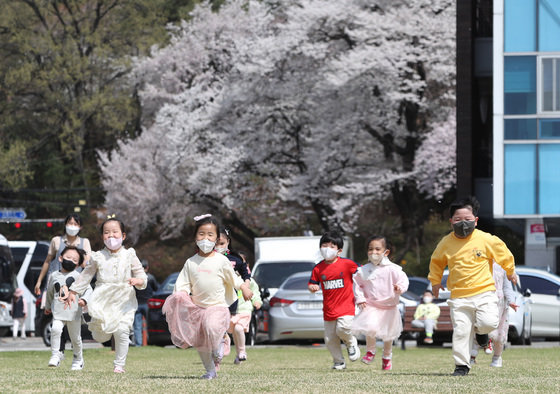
pixel 498 337
pixel 197 312
pixel 59 281
pixel 333 275
pixel 241 319
pixel 469 254
pixel 377 287
pixel 112 304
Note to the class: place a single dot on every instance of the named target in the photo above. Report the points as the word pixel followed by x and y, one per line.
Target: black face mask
pixel 68 265
pixel 464 228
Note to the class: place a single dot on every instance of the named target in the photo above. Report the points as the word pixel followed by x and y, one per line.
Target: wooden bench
pixel 442 333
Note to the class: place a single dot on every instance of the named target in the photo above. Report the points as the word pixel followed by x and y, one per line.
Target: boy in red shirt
pixel 333 275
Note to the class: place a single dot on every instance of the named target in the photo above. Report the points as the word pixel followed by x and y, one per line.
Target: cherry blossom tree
pixel 267 111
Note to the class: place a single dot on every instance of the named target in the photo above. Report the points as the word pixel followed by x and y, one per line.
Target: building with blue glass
pixel 514 105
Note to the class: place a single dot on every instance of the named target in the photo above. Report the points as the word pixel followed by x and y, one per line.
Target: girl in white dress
pixel 197 312
pixel 113 302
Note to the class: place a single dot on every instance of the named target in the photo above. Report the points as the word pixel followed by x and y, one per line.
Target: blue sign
pixel 12 214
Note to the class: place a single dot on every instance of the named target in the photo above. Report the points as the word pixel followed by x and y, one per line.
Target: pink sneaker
pixel 386 364
pixel 368 358
pixel 118 369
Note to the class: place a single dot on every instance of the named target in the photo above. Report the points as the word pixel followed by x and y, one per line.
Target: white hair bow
pixel 206 215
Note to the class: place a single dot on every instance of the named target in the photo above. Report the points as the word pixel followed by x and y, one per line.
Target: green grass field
pixel 281 369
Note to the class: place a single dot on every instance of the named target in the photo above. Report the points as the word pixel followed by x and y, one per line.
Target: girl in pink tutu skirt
pixel 197 312
pixel 377 287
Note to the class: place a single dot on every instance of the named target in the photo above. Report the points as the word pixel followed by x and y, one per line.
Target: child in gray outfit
pixel 59 282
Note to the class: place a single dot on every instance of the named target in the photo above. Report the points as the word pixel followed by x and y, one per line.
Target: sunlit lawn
pixel 281 369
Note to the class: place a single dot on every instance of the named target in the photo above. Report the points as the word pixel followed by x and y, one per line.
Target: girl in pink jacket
pixel 377 287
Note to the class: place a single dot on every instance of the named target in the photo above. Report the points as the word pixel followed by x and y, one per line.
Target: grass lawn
pixel 281 369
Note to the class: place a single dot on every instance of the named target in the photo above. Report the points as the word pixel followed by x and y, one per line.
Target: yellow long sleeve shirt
pixel 470 262
pixel 429 311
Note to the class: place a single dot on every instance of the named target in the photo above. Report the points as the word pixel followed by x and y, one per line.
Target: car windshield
pixel 417 286
pixel 297 283
pixel 271 275
pixel 169 284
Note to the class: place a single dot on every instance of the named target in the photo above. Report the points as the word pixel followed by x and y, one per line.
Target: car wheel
pixel 251 336
pixel 518 339
pixel 47 328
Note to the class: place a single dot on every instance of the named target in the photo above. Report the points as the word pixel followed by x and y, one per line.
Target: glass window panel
pixel 557 87
pixel 520 178
pixel 520 82
pixel 549 128
pixel 549 25
pixel 547 81
pixel 520 26
pixel 549 182
pixel 520 129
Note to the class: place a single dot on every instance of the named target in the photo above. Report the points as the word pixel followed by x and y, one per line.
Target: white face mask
pixel 329 253
pixel 206 246
pixel 221 250
pixel 113 243
pixel 72 230
pixel 375 258
pixel 427 300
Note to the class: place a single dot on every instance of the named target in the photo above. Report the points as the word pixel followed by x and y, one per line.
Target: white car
pixel 519 322
pixel 544 288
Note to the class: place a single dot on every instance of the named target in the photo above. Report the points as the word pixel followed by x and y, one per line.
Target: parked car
pixel 8 283
pixel 158 331
pixel 295 312
pixel 29 257
pixel 520 328
pixel 417 285
pixel 544 288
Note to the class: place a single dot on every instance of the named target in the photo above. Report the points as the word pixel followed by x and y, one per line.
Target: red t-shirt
pixel 336 282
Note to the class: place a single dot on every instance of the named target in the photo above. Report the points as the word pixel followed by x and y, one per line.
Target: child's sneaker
pixel 428 340
pixel 496 362
pixel 55 360
pixel 209 376
pixel 118 369
pixel 488 348
pixel 339 366
pixel 368 358
pixel 353 350
pixel 386 364
pixel 240 357
pixel 77 364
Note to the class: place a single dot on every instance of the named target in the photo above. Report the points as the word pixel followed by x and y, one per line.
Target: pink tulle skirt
pixel 241 319
pixel 385 324
pixel 191 325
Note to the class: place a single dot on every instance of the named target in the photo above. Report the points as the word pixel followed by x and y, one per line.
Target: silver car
pixel 544 288
pixel 295 312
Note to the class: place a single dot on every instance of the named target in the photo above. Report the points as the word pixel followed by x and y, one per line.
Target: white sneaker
pixel 339 366
pixel 353 350
pixel 77 364
pixel 496 362
pixel 54 361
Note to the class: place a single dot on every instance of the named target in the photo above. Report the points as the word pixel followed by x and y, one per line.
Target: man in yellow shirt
pixel 469 254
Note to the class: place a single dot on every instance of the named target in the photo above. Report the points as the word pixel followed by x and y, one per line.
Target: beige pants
pixel 477 314
pixel 336 330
